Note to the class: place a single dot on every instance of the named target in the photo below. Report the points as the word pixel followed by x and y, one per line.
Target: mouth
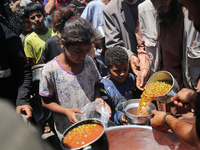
pixel 121 78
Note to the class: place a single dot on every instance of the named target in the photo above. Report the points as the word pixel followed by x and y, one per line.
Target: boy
pixel 27 24
pixel 35 42
pixel 119 85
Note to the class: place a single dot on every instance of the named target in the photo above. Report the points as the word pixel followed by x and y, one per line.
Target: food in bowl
pixel 82 135
pixel 152 90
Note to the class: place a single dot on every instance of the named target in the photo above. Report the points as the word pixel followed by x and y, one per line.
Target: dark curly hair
pixel 115 55
pixel 59 17
pixel 77 30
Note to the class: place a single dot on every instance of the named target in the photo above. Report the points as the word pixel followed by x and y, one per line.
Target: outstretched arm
pixel 184 131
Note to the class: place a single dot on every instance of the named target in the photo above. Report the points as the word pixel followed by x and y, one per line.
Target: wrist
pixel 164 119
pixel 145 69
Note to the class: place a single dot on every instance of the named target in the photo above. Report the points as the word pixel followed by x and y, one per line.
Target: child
pixel 69 81
pixel 35 42
pixel 26 22
pixel 119 85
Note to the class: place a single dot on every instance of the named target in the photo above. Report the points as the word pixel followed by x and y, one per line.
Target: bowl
pixel 167 77
pixel 99 143
pixel 130 111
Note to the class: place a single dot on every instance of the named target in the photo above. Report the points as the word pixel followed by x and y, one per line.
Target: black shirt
pixel 52 49
pixel 15 72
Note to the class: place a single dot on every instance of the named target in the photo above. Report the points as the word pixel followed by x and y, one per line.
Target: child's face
pixel 27 24
pixel 119 72
pixel 37 19
pixel 77 53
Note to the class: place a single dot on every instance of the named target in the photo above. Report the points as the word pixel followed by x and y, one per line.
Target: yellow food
pixel 152 90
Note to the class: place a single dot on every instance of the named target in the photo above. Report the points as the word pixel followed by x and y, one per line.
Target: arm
pixel 144 61
pixel 23 74
pixel 50 6
pixel 87 12
pixel 54 107
pixel 184 131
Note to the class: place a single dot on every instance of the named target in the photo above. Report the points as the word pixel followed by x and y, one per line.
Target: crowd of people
pixel 138 38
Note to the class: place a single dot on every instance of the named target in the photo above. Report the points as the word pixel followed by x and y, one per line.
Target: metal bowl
pixel 165 76
pixel 100 143
pixel 130 110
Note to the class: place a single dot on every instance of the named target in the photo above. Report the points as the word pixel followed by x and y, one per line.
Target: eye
pixel 32 18
pixel 116 71
pixel 77 51
pixel 125 69
pixel 39 15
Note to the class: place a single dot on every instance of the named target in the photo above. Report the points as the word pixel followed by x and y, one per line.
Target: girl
pixel 69 81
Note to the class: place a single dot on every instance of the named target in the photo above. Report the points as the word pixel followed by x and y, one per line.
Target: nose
pixel 36 18
pixel 82 56
pixel 122 74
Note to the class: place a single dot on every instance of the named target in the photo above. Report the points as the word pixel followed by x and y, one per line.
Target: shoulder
pixel 50 30
pixel 31 35
pixel 105 80
pixel 145 6
pixel 112 6
pixel 54 38
pixel 49 66
pixel 131 76
pixel 89 60
pixel 6 32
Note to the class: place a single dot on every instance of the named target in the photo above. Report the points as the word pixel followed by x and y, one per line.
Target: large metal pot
pixel 166 77
pixel 100 143
pixel 130 111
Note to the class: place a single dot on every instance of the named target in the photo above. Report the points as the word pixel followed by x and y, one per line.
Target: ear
pixel 62 42
pixel 108 71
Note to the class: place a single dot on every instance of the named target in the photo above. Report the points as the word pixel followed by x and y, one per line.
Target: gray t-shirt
pixel 68 89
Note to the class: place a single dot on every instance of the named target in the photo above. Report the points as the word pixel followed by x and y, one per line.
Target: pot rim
pixel 97 121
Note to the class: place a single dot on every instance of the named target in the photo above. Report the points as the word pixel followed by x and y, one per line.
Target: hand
pixel 156 121
pixel 123 119
pixel 27 108
pixel 142 78
pixel 185 96
pixel 71 114
pixel 135 65
pixel 105 104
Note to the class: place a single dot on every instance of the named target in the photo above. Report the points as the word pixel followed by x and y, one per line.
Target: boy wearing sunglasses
pixel 35 42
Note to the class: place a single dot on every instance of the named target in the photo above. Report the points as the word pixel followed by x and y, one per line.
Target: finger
pixel 28 114
pixel 75 120
pixel 78 111
pixel 154 111
pixel 109 109
pixel 18 110
pixel 175 98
